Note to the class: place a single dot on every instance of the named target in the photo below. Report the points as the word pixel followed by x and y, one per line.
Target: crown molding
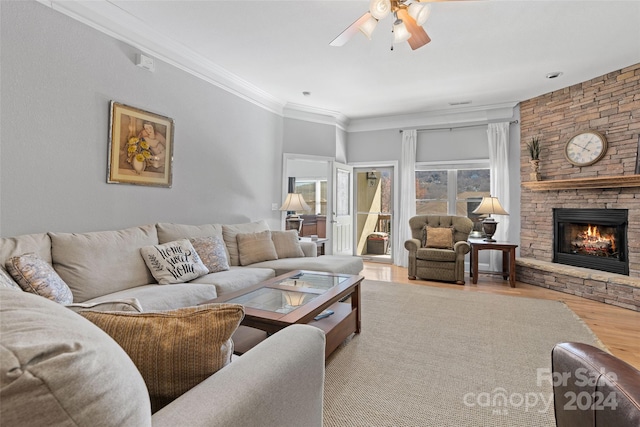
pixel 107 18
pixel 315 115
pixel 459 116
pixel 115 22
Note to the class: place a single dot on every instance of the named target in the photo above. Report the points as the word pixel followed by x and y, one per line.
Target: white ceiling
pixel 489 52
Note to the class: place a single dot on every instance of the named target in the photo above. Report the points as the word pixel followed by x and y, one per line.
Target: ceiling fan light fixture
pixel 400 32
pixel 419 12
pixel 379 8
pixel 368 26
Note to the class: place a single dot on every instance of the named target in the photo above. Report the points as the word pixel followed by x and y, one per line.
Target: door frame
pixel 286 157
pixel 393 164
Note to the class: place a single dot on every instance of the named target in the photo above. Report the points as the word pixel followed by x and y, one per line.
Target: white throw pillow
pixel 173 262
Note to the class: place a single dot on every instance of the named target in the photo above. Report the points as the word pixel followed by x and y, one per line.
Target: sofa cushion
pixel 170 297
pixel 174 350
pixel 434 254
pixel 125 304
pixel 329 263
pixel 229 233
pixel 6 281
pixel 287 244
pixel 99 263
pixel 27 243
pixel 58 369
pixel 438 237
pixel 234 279
pixel 35 275
pixel 255 247
pixel 173 262
pixel 168 232
pixel 212 252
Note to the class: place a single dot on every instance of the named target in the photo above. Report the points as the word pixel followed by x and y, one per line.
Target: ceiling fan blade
pixel 351 30
pixel 419 36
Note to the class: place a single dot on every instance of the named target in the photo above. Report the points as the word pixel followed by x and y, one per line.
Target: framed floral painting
pixel 140 147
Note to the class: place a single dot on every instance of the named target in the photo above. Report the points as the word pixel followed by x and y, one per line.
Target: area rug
pixel 439 357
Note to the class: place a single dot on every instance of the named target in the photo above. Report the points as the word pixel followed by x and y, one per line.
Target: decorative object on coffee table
pixel 490 205
pixel 293 203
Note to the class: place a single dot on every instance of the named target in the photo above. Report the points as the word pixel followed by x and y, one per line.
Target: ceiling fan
pixel 409 16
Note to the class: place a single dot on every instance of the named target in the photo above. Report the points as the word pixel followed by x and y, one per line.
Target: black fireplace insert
pixel 591 238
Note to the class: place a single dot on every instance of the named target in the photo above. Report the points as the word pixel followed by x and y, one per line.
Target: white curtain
pixel 498 134
pixel 407 196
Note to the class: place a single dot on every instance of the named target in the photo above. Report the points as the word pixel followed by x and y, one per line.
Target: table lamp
pixel 294 202
pixel 490 205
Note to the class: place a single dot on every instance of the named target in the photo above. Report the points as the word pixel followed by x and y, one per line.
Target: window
pixel 452 189
pixel 314 193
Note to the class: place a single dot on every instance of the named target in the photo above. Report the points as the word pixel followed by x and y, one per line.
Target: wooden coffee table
pixel 298 297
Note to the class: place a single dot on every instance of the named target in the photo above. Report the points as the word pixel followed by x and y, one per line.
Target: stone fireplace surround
pixel 609 104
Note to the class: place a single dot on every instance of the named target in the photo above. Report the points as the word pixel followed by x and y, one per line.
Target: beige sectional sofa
pixel 58 368
pixel 107 265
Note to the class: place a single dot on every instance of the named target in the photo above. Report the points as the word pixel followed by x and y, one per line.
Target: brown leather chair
pixel 593 388
pixel 438 263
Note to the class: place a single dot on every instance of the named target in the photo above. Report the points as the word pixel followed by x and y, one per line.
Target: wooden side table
pixel 508 259
pixel 320 242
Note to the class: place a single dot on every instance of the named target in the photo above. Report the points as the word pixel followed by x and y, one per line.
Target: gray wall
pixel 444 145
pixel 374 146
pixel 303 137
pixel 58 77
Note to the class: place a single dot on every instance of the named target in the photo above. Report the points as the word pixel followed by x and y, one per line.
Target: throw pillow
pixel 35 275
pixel 287 244
pixel 58 369
pixel 6 281
pixel 256 247
pixel 439 237
pixel 126 304
pixel 229 233
pixel 212 252
pixel 174 350
pixel 173 262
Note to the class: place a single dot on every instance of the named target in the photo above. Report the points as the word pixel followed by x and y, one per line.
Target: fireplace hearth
pixel 591 238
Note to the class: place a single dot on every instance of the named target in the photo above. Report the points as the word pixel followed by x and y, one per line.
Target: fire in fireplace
pixel 588 240
pixel 591 238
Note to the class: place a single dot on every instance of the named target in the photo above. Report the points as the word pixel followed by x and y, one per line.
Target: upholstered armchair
pixel 438 246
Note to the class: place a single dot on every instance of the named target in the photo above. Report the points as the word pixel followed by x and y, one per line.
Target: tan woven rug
pixel 438 357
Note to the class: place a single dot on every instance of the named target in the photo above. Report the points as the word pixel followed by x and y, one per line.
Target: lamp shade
pixel 379 8
pixel 400 32
pixel 368 26
pixel 490 205
pixel 419 12
pixel 294 202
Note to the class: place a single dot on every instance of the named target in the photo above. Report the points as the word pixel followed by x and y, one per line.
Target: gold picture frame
pixel 140 147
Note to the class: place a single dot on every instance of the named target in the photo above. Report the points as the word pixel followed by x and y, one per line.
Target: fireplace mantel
pixel 584 183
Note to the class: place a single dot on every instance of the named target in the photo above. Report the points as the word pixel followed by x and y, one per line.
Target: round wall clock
pixel 585 148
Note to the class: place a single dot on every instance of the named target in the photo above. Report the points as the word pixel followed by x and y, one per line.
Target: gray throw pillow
pixel 35 275
pixel 212 252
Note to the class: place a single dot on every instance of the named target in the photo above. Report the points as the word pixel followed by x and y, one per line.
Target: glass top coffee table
pixel 298 297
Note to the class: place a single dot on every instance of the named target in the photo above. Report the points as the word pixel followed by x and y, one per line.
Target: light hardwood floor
pixel 618 328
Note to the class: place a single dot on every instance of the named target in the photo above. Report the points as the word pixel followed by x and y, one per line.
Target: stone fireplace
pixel 591 238
pixel 609 104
